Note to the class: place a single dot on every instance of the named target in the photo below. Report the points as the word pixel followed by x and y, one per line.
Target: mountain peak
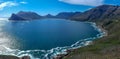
pixel 25 16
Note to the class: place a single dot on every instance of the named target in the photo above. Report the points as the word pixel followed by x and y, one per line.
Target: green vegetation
pixel 107 47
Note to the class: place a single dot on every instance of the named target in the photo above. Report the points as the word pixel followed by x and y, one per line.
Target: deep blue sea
pixel 44 38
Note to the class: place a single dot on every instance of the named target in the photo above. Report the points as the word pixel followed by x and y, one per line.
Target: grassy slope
pixel 107 47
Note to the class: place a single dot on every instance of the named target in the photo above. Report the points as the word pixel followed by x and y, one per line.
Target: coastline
pixel 75 46
pixel 102 29
pixel 98 27
pixel 110 48
pixel 106 47
pixel 63 53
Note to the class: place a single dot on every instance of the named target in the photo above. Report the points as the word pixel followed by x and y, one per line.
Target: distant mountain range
pixel 66 15
pixel 32 15
pixel 98 13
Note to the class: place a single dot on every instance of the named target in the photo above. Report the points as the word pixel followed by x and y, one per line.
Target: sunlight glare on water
pixel 44 38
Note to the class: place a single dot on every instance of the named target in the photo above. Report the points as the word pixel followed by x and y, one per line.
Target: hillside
pixel 99 13
pixel 107 47
pixel 107 17
pixel 66 15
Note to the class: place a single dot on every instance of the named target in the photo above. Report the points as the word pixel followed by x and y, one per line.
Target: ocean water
pixel 44 38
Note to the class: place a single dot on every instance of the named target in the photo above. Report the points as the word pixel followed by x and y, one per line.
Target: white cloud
pixel 23 2
pixel 7 4
pixel 84 2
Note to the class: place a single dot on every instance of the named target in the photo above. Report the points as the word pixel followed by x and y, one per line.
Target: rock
pixel 60 56
pixel 25 57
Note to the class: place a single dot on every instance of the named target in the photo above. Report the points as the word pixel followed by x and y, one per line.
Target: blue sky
pixel 44 7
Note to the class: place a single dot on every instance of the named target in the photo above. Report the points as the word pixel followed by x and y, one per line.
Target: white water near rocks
pixel 45 54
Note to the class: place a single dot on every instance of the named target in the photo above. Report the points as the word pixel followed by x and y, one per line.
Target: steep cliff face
pixel 25 16
pixel 99 13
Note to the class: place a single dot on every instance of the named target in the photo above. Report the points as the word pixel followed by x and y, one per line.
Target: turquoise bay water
pixel 44 38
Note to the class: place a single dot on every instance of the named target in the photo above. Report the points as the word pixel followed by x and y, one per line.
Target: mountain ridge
pixel 95 14
pixel 99 13
pixel 22 15
pixel 25 16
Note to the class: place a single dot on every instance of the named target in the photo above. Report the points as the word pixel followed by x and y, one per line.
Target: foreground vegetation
pixel 107 47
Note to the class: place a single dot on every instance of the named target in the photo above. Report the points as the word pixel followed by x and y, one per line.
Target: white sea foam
pixel 49 54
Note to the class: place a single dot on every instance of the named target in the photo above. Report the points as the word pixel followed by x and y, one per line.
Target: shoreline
pixel 99 28
pixel 87 42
